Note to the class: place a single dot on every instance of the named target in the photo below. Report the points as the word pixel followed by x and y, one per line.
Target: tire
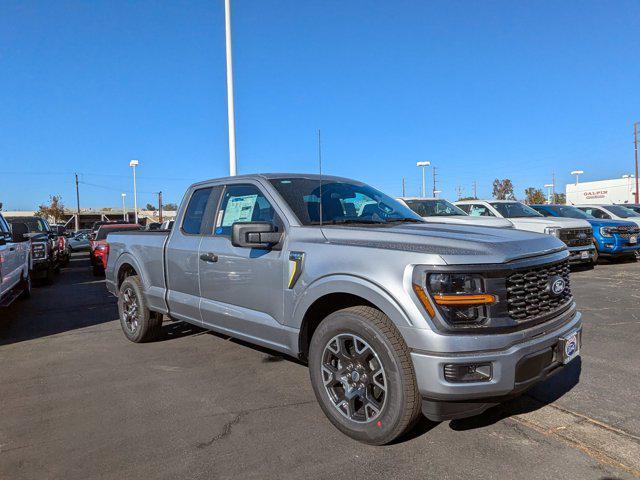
pixel 97 270
pixel 146 325
pixel 596 256
pixel 379 344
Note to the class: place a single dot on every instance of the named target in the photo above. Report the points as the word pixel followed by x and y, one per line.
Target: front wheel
pixel 362 375
pixel 138 323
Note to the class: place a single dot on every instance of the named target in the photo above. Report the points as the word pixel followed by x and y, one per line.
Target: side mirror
pixel 19 232
pixel 254 235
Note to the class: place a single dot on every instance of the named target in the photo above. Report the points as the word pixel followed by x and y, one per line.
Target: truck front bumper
pixel 513 370
pixel 582 254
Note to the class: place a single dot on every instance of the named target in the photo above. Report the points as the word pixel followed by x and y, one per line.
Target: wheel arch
pixel 334 293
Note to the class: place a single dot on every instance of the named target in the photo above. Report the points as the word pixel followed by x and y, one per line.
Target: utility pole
pixel 78 202
pixel 475 189
pixel 434 181
pixel 459 191
pixel 230 108
pixel 160 207
pixel 553 182
pixel 635 145
pixel 403 188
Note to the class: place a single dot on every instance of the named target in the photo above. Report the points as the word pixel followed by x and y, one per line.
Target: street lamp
pixel 124 207
pixel 230 109
pixel 549 186
pixel 133 164
pixel 424 165
pixel 577 173
pixel 436 192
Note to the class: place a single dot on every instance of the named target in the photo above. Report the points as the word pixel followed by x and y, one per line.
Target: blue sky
pixel 481 89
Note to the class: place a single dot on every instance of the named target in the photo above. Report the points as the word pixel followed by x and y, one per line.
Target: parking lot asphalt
pixel 79 401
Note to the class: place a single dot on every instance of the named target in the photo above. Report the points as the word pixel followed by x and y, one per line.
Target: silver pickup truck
pixel 395 317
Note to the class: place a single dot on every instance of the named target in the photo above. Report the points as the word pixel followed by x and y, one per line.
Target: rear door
pixel 242 289
pixel 182 257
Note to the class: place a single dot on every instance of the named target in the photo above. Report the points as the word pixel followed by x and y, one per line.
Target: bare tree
pixel 503 189
pixel 54 211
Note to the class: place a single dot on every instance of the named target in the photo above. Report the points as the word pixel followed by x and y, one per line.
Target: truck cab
pixel 575 233
pixel 14 262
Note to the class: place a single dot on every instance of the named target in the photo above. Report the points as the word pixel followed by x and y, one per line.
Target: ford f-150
pixel 396 317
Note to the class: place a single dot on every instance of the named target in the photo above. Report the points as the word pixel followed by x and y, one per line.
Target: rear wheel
pixel 362 375
pixel 50 276
pixel 138 323
pixel 26 287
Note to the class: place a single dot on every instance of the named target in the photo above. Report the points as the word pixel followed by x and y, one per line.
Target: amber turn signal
pixel 457 300
pixel 426 303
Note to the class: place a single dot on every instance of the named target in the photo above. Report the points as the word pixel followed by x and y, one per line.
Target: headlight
pixel 606 231
pixel 552 231
pixel 459 297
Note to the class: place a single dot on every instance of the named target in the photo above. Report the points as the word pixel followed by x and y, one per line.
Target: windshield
pixel 34 224
pixel 635 208
pixel 514 210
pixel 342 202
pixel 620 211
pixel 103 232
pixel 571 212
pixel 434 208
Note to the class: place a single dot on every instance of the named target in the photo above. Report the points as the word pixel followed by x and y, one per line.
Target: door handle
pixel 209 257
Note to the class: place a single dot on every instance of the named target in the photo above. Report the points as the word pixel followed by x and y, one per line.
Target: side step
pixel 12 296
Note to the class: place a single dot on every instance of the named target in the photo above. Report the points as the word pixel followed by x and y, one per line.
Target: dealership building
pixel 617 190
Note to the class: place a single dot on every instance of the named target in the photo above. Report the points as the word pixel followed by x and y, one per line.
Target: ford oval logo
pixel 557 285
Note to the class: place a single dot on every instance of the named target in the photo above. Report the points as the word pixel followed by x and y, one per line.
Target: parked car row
pixel 589 231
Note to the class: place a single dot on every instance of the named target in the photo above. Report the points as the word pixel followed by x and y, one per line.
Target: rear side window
pixel 192 223
pixel 478 210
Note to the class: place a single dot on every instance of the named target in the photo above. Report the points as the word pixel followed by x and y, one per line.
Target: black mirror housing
pixel 255 235
pixel 19 232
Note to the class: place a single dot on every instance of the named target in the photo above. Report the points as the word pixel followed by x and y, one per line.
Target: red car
pixel 99 248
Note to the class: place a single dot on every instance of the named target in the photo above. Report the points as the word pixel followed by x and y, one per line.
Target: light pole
pixel 549 186
pixel 436 192
pixel 230 108
pixel 133 164
pixel 577 173
pixel 124 207
pixel 424 166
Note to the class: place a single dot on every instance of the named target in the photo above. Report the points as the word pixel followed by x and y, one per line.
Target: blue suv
pixel 611 237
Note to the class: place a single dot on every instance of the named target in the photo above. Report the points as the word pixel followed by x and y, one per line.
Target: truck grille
pixel 576 237
pixel 626 232
pixel 529 292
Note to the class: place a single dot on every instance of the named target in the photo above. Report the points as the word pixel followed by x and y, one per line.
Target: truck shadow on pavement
pixel 533 399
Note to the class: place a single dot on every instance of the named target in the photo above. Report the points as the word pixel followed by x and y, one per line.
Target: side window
pixel 478 210
pixel 465 208
pixel 4 228
pixel 244 203
pixel 603 214
pixel 192 222
pixel 543 212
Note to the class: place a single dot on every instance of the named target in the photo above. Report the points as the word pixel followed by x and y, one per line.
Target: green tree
pixel 534 196
pixel 469 198
pixel 150 207
pixel 54 211
pixel 503 189
pixel 560 198
pixel 170 206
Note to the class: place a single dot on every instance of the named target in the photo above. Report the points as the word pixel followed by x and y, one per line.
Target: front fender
pixel 353 285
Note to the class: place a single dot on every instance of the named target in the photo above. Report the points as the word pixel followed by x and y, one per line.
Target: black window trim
pixel 186 207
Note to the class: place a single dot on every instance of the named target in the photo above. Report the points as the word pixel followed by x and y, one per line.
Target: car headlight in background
pixel 459 297
pixel 552 231
pixel 606 231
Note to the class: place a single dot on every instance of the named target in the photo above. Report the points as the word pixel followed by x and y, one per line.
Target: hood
pixel 471 220
pixel 542 222
pixel 603 222
pixel 455 244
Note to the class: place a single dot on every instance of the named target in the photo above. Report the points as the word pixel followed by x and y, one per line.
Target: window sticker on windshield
pixel 239 209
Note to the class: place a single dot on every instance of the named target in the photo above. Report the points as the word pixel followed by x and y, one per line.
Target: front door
pixel 242 288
